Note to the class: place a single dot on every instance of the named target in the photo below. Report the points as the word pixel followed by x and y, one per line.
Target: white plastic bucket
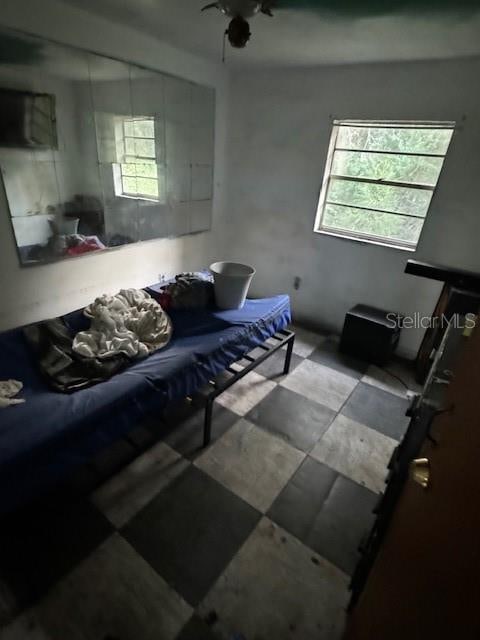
pixel 231 282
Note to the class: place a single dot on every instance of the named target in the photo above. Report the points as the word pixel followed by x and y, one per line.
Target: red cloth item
pixel 89 243
pixel 163 298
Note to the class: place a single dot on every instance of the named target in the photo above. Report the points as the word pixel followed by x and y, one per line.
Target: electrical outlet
pixel 297 281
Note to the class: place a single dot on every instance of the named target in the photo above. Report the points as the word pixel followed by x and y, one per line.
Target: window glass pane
pixel 378 196
pixel 144 128
pixel 147 170
pixel 381 225
pixel 397 168
pixel 130 146
pixel 144 148
pixel 128 129
pixel 393 139
pixel 129 185
pixel 147 187
pixel 129 170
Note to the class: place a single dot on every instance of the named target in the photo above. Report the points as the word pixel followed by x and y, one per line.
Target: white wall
pixel 279 129
pixel 278 133
pixel 34 293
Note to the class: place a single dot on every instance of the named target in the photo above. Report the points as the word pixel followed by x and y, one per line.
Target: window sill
pixel 379 243
pixel 124 195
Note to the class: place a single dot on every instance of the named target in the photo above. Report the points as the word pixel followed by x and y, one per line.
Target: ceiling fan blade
pixel 267 10
pixel 212 5
pixel 354 8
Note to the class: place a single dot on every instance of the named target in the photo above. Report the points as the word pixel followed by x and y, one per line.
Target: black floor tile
pixel 329 355
pixel 185 428
pixel 346 517
pixel 82 482
pixel 303 497
pixel 141 438
pixel 326 511
pixel 378 409
pixel 293 417
pixel 114 457
pixel 272 367
pixel 197 629
pixel 42 543
pixel 190 532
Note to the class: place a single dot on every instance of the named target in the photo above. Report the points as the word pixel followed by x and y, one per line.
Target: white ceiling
pixel 298 37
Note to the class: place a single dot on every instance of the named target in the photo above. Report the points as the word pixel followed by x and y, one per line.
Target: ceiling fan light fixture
pixel 238 32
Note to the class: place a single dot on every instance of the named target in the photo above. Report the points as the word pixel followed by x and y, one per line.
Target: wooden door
pixel 425 582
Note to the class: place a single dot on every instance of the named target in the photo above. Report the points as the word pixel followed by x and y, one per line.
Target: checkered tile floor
pixel 254 537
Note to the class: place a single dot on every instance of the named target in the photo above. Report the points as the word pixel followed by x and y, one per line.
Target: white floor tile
pixel 252 463
pixel 305 341
pixel 125 494
pixel 277 588
pixel 321 384
pixel 114 593
pixel 246 393
pixel 356 451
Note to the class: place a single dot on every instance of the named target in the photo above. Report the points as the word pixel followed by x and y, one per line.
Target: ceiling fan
pixel 238 30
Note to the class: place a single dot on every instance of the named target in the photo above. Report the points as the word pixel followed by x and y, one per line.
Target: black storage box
pixel 370 334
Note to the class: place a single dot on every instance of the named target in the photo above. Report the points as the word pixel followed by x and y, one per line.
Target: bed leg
pixel 288 356
pixel 207 425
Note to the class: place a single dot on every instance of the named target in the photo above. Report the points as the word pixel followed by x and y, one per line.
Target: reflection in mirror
pixel 178 98
pixel 96 153
pixel 146 152
pixel 112 103
pixel 56 212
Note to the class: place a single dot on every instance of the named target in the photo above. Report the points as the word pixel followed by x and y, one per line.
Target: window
pixel 136 176
pixel 380 178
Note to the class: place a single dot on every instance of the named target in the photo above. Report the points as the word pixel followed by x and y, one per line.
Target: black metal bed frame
pixel 283 337
pixel 215 387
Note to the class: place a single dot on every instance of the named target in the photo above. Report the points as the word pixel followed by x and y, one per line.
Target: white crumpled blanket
pixel 131 322
pixel 8 389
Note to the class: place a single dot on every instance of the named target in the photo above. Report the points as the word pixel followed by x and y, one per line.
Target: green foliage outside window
pixel 139 173
pixel 407 159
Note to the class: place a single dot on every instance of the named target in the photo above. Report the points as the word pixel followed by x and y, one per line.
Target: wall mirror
pixel 96 153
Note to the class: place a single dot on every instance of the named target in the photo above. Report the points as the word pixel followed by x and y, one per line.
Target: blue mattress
pixel 45 438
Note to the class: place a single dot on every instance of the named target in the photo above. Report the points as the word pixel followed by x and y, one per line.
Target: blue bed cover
pixel 45 438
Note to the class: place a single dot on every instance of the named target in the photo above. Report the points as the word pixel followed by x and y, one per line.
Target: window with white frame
pixel 380 178
pixel 137 175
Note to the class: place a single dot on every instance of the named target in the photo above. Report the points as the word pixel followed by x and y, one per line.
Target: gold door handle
pixel 420 472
